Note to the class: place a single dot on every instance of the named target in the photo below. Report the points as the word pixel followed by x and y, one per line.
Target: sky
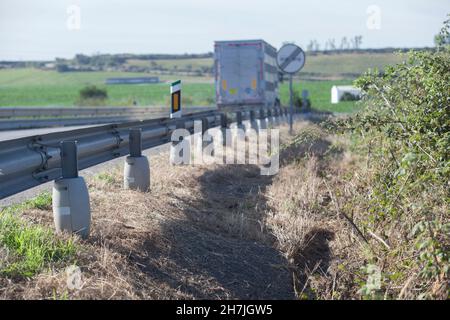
pixel 45 29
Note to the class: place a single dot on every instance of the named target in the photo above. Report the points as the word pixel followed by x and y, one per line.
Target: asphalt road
pixel 14 134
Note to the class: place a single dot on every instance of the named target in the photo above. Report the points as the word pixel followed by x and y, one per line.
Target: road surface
pixel 14 134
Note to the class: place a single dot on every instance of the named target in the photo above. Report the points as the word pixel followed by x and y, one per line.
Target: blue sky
pixel 31 29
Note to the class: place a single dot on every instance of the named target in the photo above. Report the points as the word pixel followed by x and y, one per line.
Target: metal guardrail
pixel 35 117
pixel 31 161
pixel 51 112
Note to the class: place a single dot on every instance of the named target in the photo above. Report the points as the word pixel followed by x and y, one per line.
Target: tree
pixel 62 67
pixel 332 44
pixel 82 59
pixel 344 44
pixel 310 46
pixel 316 46
pixel 358 42
pixel 443 38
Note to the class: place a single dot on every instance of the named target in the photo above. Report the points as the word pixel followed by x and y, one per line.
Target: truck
pixel 246 73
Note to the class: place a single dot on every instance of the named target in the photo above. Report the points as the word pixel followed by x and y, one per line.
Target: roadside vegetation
pixel 403 202
pixel 92 96
pixel 27 248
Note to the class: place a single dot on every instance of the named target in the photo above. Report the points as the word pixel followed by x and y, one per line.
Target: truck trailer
pixel 246 73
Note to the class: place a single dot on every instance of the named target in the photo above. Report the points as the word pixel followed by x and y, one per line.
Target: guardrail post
pixel 239 119
pixel 261 121
pixel 280 115
pixel 70 200
pixel 236 127
pixel 136 171
pixel 180 156
pixel 223 128
pixel 253 122
pixel 269 118
pixel 205 127
pixel 275 116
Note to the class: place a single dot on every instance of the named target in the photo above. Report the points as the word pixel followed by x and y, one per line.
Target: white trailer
pixel 337 92
pixel 246 73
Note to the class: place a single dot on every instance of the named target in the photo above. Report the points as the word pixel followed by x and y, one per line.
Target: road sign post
pixel 290 60
pixel 175 92
pixel 291 105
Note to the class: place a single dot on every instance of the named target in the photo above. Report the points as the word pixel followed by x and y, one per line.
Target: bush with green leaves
pixel 92 92
pixel 298 101
pixel 348 96
pixel 92 96
pixel 404 131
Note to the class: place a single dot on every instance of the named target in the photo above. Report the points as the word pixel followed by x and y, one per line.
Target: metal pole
pixel 239 119
pixel 253 124
pixel 205 125
pixel 69 161
pixel 291 104
pixel 135 143
pixel 223 128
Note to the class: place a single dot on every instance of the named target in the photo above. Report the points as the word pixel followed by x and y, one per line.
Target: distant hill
pixel 320 65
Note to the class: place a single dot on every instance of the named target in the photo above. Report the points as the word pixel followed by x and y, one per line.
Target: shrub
pixel 62 67
pixel 404 131
pixel 347 96
pixel 92 96
pixel 298 101
pixel 92 92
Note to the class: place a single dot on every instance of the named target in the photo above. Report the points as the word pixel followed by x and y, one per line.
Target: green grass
pixel 42 201
pixel 27 248
pixel 339 65
pixel 320 95
pixel 32 87
pixel 105 177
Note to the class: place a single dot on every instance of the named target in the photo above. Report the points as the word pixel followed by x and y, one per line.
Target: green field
pixel 32 87
pixel 320 95
pixel 346 65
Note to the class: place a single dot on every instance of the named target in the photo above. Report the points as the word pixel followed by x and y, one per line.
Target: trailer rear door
pixel 240 73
